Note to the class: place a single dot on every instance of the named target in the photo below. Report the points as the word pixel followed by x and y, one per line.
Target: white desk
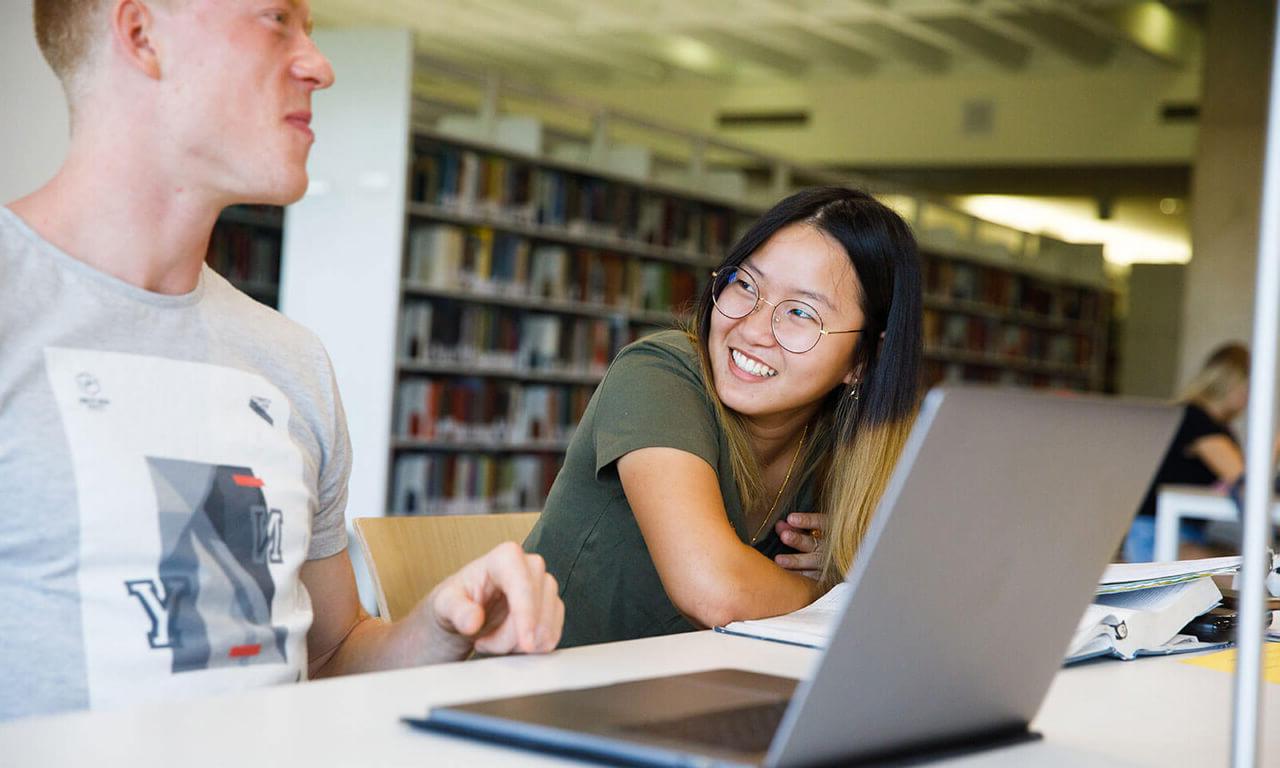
pixel 1153 711
pixel 1197 502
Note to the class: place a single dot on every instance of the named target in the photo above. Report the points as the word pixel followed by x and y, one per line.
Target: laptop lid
pixel 999 517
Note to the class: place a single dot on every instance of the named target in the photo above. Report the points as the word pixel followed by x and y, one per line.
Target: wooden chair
pixel 408 556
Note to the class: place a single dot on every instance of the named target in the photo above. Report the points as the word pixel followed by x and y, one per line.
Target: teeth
pixel 752 367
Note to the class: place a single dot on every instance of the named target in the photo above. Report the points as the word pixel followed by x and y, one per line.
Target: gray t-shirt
pixel 167 464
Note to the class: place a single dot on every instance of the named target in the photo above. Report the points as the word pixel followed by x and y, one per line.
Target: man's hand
pixel 804 532
pixel 504 602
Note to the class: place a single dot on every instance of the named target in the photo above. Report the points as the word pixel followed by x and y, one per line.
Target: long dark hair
pixel 867 423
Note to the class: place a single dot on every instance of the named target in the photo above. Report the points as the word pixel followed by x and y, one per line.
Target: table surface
pixel 1154 711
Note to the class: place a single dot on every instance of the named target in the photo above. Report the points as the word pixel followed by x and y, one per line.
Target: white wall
pixel 343 241
pixel 1038 117
pixel 33 130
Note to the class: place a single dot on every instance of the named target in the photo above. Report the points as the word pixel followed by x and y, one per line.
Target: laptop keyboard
pixel 744 729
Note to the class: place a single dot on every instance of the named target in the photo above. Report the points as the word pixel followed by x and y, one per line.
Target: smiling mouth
pixel 751 365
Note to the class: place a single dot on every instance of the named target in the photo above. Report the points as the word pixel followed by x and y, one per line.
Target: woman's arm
pixel 710 575
pixel 1221 455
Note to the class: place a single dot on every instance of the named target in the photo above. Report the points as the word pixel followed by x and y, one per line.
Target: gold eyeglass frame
pixel 822 331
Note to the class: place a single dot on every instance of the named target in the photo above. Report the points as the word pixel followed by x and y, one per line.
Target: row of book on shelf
pixel 959 332
pixel 998 287
pixel 486 184
pixel 488 410
pixel 447 331
pixel 245 253
pixel 467 484
pixel 483 260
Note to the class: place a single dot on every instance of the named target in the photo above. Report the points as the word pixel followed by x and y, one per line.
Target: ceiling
pixel 625 47
pixel 659 41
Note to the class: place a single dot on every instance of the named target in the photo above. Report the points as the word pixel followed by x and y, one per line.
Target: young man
pixel 173 456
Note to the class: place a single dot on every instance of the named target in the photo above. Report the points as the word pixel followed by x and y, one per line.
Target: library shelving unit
pixel 1015 309
pixel 496 270
pixel 245 248
pixel 523 276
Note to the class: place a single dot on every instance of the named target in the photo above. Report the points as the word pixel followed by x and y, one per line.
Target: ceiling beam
pixel 910 48
pixel 1149 27
pixel 988 44
pixel 766 56
pixel 837 50
pixel 681 55
pixel 1078 42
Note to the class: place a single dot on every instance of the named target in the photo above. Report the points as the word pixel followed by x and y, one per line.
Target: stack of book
pixel 509 339
pixel 484 410
pixel 510 189
pixel 466 484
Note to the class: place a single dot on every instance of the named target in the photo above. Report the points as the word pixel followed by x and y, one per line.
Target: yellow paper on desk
pixel 1225 661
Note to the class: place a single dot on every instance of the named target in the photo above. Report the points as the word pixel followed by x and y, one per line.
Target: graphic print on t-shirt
pixel 195 509
pixel 218 537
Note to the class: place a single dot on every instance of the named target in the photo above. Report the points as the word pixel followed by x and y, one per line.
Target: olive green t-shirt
pixel 652 396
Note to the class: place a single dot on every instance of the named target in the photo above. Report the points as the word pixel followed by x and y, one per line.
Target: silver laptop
pixel 987 546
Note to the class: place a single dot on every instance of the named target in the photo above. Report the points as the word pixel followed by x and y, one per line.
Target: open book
pixel 1128 624
pixel 1125 577
pixel 811 626
pixel 1143 622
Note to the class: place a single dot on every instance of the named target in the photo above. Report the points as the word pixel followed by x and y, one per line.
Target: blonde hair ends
pixel 860 472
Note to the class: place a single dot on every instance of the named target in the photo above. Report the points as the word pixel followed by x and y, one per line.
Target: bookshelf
pixel 471 288
pixel 246 247
pixel 523 276
pixel 1001 324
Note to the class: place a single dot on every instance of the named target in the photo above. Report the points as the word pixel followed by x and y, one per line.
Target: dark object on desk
pixel 1231 598
pixel 883 687
pixel 1218 625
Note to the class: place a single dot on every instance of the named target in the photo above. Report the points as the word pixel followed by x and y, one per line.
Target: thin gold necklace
pixel 783 487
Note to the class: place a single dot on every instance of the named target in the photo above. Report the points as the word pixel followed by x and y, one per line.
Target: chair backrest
pixel 408 556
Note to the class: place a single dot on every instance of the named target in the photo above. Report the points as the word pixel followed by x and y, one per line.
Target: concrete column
pixel 1148 358
pixel 1226 184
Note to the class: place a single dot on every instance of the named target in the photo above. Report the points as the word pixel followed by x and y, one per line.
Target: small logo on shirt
pixel 259 405
pixel 90 391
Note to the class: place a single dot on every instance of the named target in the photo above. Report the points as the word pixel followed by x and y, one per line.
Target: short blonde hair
pixel 1224 369
pixel 65 32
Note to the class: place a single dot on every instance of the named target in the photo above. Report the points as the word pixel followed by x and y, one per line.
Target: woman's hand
pixel 804 532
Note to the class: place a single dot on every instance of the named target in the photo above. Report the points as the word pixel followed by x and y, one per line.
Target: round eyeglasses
pixel 797 327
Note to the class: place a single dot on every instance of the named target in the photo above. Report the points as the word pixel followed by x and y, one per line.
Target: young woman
pixel 794 390
pixel 1204 451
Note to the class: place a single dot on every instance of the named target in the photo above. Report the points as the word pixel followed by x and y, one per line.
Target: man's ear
pixel 133 30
